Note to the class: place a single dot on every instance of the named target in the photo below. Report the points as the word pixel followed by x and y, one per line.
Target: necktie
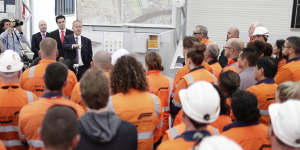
pixel 77 57
pixel 43 36
pixel 62 36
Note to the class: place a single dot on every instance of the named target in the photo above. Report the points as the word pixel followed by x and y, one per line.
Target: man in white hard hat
pixel 218 143
pixel 12 97
pixel 284 131
pixel 261 34
pixel 201 106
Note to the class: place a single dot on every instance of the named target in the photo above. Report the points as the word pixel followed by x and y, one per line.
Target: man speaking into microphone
pixel 77 50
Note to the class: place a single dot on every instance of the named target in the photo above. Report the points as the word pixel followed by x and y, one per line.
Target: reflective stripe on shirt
pixel 11 143
pixel 9 129
pixel 36 143
pixel 145 135
pixel 31 72
pixel 156 105
pixel 29 97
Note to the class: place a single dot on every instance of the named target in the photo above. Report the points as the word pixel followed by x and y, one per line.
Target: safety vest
pixel 281 63
pixel 265 92
pixel 32 115
pixel 197 74
pixel 32 79
pixel 289 71
pixel 185 141
pixel 249 136
pixel 161 86
pixel 12 99
pixel 142 109
pixel 176 131
pixel 76 97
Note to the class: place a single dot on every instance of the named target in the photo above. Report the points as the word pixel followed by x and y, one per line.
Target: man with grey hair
pixel 201 33
pixel 211 57
pixel 232 50
pixel 38 37
pixel 233 32
pixel 77 50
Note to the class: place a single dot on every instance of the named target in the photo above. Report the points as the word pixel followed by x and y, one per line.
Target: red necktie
pixel 62 36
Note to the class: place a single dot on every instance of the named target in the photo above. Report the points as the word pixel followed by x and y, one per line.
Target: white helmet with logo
pixel 10 61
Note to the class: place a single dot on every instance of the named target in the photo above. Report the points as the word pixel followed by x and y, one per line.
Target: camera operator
pixel 13 36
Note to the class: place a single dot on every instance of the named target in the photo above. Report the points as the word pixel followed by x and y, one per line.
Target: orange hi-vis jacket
pixel 232 65
pixel 161 86
pixel 32 115
pixel 249 136
pixel 185 141
pixel 12 99
pixel 2 146
pixel 281 63
pixel 197 74
pixel 185 70
pixel 76 97
pixel 216 67
pixel 32 79
pixel 265 92
pixel 289 71
pixel 221 122
pixel 176 131
pixel 142 109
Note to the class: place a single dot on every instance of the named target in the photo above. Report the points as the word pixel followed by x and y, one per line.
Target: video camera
pixel 18 23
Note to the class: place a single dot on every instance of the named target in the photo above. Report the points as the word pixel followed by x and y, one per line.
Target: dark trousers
pixel 81 70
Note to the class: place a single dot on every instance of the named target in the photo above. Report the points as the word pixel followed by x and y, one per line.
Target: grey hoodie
pixel 100 127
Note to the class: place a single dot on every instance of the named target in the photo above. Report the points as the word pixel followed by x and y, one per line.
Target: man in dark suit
pixel 60 34
pixel 37 38
pixel 77 50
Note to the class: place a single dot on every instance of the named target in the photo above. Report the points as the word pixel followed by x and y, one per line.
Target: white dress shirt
pixel 78 49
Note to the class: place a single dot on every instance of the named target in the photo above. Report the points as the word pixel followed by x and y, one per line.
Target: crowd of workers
pixel 247 97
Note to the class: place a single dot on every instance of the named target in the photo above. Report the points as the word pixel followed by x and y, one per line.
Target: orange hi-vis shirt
pixel 32 115
pixel 197 74
pixel 249 136
pixel 281 63
pixel 142 109
pixel 265 92
pixel 216 67
pixel 2 146
pixel 185 70
pixel 161 86
pixel 32 79
pixel 221 122
pixel 176 131
pixel 185 141
pixel 289 71
pixel 76 97
pixel 232 65
pixel 205 41
pixel 12 99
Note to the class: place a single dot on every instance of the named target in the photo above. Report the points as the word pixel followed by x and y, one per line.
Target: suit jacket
pixel 70 53
pixel 55 35
pixel 35 43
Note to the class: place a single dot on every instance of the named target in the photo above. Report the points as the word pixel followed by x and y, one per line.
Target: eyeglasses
pixel 227 47
pixel 197 33
pixel 6 87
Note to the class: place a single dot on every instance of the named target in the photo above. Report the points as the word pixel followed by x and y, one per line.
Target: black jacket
pixel 106 131
pixel 70 53
pixel 35 43
pixel 55 35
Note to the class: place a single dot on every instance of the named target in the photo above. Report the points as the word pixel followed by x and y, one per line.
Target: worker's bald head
pixel 102 59
pixel 48 48
pixel 233 32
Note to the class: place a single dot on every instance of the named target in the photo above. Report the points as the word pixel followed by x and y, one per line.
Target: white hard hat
pixel 285 118
pixel 261 31
pixel 10 61
pixel 201 102
pixel 218 142
pixel 118 54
